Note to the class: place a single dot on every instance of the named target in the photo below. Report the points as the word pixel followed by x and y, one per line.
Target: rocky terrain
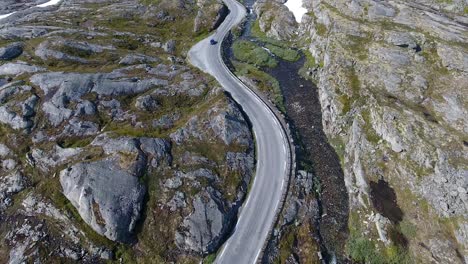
pixel 112 148
pixel 392 81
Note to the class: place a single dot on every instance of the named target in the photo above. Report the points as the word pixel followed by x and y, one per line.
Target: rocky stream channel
pixel 314 154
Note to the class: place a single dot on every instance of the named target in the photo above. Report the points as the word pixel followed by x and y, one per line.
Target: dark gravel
pixel 304 112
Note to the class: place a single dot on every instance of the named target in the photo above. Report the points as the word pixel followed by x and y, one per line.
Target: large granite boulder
pixel 203 230
pixel 225 124
pixel 11 51
pixel 108 193
pixel 107 197
pixel 62 89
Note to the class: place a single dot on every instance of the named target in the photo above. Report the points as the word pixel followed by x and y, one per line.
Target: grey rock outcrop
pixel 81 106
pixel 275 19
pixel 157 151
pixel 18 68
pixel 389 87
pixel 146 103
pixel 9 185
pixel 47 160
pixel 107 197
pixel 4 150
pixel 453 58
pixel 76 127
pixel 169 46
pixel 178 201
pixel 18 106
pixel 67 50
pixel 137 59
pixel 65 88
pixel 108 193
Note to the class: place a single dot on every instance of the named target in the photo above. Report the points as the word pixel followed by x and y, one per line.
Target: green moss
pixel 249 52
pixel 265 83
pixel 311 62
pixel 150 2
pixel 286 245
pixel 354 82
pixel 312 15
pixel 284 53
pixel 363 250
pixel 126 42
pixel 397 255
pixel 257 32
pixel 346 102
pixel 75 51
pixel 408 229
pixel 125 253
pixel 321 29
pixel 369 131
pixel 74 142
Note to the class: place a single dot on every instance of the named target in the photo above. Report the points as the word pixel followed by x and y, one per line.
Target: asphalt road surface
pixel 273 154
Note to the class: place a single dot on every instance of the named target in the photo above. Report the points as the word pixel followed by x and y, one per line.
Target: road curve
pixel 258 213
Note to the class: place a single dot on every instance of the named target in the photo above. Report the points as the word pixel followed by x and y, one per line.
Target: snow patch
pixel 50 3
pixel 296 7
pixel 6 15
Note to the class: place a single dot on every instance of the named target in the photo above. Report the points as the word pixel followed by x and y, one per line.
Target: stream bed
pixel 314 153
pixel 304 113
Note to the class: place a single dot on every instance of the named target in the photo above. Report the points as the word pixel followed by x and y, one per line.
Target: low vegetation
pixel 284 53
pixel 263 81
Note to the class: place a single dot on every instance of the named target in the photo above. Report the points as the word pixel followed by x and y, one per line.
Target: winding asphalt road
pixel 258 213
pixel 46 4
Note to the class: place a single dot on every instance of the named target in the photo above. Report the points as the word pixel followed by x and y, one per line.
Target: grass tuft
pixel 249 52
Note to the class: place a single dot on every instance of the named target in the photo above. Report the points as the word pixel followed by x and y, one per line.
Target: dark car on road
pixel 213 42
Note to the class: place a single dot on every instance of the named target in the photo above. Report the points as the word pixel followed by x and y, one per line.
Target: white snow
pixel 296 7
pixel 50 3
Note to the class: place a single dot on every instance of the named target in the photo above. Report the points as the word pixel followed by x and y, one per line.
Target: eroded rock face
pixel 18 107
pixel 13 5
pixel 209 8
pixel 75 51
pixel 205 227
pixel 11 51
pixel 87 110
pixel 275 19
pixel 109 193
pixel 65 88
pixel 385 87
pixel 108 198
pixel 18 68
pixel 9 185
pixel 227 125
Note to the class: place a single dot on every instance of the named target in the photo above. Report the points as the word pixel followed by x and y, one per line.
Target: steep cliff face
pixel 393 86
